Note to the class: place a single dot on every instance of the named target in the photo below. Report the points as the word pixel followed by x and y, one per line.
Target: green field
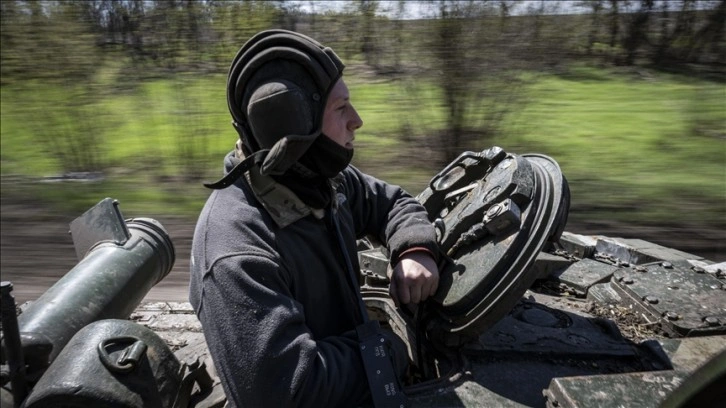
pixel 635 145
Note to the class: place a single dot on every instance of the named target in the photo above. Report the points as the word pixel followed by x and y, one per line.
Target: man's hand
pixel 414 278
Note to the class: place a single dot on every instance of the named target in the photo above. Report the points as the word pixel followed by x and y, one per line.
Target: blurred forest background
pixel 126 99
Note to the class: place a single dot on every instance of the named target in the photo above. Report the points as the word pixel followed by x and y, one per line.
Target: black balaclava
pixel 326 157
pixel 308 178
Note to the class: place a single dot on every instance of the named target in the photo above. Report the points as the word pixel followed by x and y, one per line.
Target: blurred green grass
pixel 635 145
pixel 654 147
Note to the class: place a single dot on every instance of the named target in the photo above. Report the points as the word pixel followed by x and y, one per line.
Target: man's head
pixel 340 119
pixel 277 92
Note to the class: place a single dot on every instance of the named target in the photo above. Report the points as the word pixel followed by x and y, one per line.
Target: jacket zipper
pixel 333 219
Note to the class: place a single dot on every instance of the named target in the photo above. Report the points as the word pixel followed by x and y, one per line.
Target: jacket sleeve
pixel 390 214
pixel 263 351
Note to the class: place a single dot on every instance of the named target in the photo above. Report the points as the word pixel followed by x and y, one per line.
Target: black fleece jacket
pixel 276 304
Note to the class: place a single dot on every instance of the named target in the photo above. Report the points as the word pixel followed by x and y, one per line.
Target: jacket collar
pixel 284 206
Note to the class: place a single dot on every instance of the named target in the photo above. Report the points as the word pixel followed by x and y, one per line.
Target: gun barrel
pixel 109 282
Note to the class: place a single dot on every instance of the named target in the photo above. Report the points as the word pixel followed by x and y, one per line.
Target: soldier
pixel 274 267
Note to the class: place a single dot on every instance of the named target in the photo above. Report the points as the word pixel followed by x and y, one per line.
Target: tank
pixel 527 314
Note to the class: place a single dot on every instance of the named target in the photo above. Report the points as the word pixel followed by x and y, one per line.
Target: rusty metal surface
pixel 536 329
pixel 638 251
pixel 685 299
pixel 580 276
pixel 638 389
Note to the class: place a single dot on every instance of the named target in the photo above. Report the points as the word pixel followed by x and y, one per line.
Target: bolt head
pixel 711 320
pixel 494 210
pixel 651 299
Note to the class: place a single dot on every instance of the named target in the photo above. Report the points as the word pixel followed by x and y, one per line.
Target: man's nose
pixel 356 122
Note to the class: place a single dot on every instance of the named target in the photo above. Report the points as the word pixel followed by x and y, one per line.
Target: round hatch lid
pixel 494 212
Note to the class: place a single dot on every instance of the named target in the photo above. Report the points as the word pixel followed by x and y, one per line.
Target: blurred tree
pixel 289 14
pixel 46 40
pixel 637 31
pixel 614 20
pixel 474 71
pixel 367 10
pixel 710 38
pixel 313 26
pixel 49 45
pixel 596 7
pixel 549 36
pixel 473 50
pixel 398 34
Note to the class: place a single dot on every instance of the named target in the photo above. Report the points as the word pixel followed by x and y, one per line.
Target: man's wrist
pixel 415 249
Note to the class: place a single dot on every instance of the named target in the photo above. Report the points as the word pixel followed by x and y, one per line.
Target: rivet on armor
pixel 711 320
pixel 651 299
pixel 671 315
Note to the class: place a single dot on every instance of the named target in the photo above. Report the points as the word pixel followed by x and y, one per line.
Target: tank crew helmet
pixel 277 88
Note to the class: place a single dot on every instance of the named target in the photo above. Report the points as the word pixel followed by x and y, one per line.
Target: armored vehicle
pixel 526 315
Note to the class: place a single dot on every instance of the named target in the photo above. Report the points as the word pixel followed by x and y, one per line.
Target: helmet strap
pixel 255 158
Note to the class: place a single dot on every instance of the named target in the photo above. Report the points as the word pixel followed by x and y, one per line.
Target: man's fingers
pixel 415 292
pixel 404 295
pixel 393 290
pixel 432 289
pixel 434 284
pixel 414 279
pixel 429 286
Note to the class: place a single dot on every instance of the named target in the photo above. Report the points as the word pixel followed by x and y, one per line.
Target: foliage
pixel 47 41
pixel 625 139
pixel 135 89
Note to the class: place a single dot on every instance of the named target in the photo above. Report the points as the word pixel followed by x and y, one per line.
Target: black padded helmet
pixel 277 89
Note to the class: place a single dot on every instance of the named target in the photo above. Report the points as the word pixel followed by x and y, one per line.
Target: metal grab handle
pixel 490 157
pixel 130 358
pixel 456 163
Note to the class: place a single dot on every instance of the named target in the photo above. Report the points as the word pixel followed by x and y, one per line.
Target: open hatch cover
pixel 493 212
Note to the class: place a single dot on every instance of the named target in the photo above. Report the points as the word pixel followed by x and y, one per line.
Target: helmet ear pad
pixel 282 108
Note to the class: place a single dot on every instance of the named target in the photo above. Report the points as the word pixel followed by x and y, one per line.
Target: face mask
pixel 326 158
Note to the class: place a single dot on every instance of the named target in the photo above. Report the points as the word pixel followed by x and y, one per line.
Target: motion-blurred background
pixel 126 99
